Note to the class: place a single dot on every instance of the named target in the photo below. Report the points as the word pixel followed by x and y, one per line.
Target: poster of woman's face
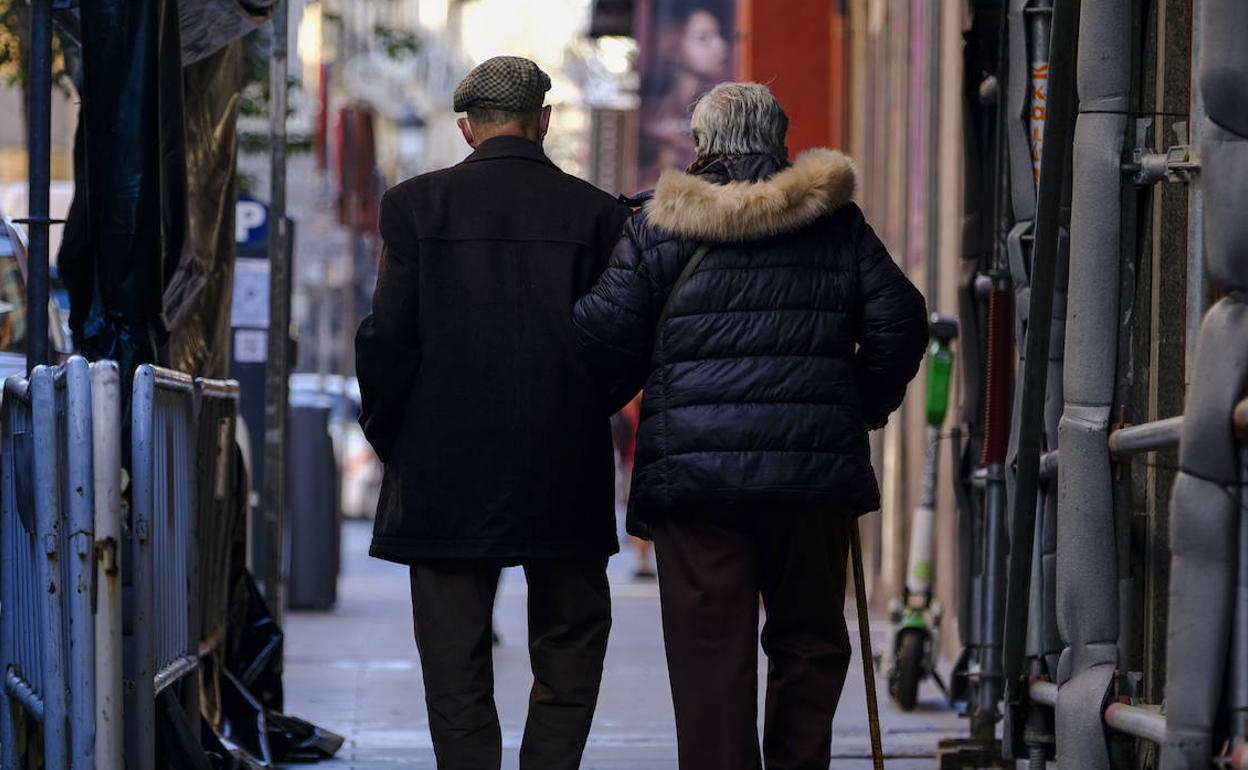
pixel 685 50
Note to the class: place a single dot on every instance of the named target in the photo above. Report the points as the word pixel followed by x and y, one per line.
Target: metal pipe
pixel 996 436
pixel 1146 437
pixel 1049 462
pixel 40 147
pixel 1143 438
pixel 1198 287
pixel 21 692
pixel 1140 721
pixel 78 514
pixel 1035 590
pixel 990 672
pixel 1239 645
pixel 1044 693
pixel 277 370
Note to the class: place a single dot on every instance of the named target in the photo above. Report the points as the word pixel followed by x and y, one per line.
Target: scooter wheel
pixel 908 671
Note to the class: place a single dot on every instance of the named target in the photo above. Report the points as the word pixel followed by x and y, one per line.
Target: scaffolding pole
pixel 40 147
pixel 278 369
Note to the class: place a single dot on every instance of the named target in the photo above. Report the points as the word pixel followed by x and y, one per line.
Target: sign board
pixel 249 307
pixel 251 346
pixel 251 226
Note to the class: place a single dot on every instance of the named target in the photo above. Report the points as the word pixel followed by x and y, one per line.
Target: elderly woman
pixel 771 331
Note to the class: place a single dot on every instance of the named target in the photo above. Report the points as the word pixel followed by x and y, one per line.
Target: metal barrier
pixel 31 610
pixel 218 514
pixel 48 640
pixel 163 494
pixel 163 440
pixel 62 658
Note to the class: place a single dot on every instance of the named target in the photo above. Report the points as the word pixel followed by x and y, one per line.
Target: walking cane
pixel 864 631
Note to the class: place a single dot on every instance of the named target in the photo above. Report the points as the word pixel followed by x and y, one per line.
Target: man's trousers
pixel 569 620
pixel 712 570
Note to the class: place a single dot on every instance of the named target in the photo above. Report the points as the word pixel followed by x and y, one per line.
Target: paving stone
pixel 354 670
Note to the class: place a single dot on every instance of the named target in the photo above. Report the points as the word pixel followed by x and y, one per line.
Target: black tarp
pixel 149 246
pixel 122 231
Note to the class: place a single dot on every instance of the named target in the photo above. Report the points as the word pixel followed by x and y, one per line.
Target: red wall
pixel 798 48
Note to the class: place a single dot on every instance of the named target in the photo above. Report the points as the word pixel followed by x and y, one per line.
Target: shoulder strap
pixel 685 274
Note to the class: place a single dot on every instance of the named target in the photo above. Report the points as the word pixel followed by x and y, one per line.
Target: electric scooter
pixel 915 633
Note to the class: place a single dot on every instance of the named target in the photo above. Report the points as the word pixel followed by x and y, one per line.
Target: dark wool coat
pixel 794 336
pixel 479 402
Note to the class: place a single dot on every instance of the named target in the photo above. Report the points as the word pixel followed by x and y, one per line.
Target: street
pixel 354 670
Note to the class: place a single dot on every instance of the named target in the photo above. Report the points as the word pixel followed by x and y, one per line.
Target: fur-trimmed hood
pixel 690 206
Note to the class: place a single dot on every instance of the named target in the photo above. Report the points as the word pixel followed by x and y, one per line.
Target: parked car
pixel 357 463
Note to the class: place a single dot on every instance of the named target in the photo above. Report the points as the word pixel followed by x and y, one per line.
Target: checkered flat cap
pixel 507 83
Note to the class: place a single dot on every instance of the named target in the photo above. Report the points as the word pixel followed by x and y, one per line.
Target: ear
pixel 465 128
pixel 544 123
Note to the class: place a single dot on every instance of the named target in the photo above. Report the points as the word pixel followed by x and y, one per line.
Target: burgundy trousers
pixel 712 570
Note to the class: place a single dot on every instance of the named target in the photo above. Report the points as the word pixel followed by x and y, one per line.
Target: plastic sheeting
pixel 149 245
pixel 210 25
pixel 197 295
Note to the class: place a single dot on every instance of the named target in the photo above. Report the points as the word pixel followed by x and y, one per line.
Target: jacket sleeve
pixel 892 329
pixel 387 344
pixel 615 322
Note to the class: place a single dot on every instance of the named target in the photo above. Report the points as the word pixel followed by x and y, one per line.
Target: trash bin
pixel 313 512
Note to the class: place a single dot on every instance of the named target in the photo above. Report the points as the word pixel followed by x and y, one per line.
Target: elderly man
pixel 771 331
pixel 496 444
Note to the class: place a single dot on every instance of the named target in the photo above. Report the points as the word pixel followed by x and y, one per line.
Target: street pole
pixel 277 371
pixel 39 144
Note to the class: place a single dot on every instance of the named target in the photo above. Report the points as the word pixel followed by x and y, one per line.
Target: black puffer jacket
pixel 795 335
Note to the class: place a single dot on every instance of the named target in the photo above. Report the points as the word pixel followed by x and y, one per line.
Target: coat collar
pixel 743 202
pixel 508 147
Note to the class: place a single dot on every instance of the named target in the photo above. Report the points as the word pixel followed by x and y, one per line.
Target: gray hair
pixel 739 119
pixel 484 116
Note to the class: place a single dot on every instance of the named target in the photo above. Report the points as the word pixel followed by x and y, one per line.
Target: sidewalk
pixel 355 671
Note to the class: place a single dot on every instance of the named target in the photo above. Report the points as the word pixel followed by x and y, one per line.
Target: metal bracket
pixel 1176 164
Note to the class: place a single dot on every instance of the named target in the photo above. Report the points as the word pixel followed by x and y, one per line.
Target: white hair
pixel 739 119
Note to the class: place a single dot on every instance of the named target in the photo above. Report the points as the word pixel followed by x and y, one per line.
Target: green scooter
pixel 915 634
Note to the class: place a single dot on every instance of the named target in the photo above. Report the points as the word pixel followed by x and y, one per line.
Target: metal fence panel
pixel 163 472
pixel 217 512
pixel 139 566
pixel 20 611
pixel 32 620
pixel 65 610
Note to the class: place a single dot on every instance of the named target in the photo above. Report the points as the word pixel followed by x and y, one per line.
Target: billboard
pixel 686 48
